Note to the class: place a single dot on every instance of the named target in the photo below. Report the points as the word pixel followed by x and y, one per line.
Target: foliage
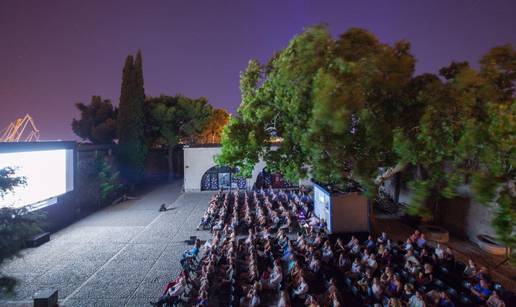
pixel 16 226
pixel 8 180
pixel 98 121
pixel 171 120
pixel 351 110
pixel 109 182
pixel 175 119
pixel 132 149
pixel 212 131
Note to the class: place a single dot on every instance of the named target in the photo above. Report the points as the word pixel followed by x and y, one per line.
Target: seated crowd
pixel 268 249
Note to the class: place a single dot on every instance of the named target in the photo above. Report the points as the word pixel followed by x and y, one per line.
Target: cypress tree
pixel 132 150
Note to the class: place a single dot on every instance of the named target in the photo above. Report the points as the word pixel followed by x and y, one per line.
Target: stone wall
pixel 85 197
pixel 461 216
pixel 464 217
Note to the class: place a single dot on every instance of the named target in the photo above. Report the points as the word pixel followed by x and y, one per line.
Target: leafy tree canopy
pixel 175 119
pixel 97 122
pixel 212 131
pixel 350 110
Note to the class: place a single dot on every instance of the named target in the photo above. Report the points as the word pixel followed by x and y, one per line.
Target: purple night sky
pixel 56 53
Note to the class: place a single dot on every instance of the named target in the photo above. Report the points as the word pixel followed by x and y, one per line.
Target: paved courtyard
pixel 120 256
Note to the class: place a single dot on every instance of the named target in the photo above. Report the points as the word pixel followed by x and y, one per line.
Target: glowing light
pixel 45 173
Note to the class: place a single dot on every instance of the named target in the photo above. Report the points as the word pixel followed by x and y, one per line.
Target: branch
pixel 390 172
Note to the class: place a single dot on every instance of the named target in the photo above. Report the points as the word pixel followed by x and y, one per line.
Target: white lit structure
pixel 47 168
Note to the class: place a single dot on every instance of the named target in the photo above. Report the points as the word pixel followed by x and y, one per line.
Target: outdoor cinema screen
pixel 48 173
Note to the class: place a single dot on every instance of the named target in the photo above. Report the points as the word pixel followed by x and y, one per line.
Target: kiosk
pixel 342 212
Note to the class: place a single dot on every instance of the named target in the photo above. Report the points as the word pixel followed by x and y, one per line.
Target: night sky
pixel 56 53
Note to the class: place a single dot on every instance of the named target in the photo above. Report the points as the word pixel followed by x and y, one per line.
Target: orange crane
pixel 16 130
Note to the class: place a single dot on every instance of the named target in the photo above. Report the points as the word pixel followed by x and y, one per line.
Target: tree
pixel 97 122
pixel 352 112
pixel 132 150
pixel 109 183
pixel 212 131
pixel 16 226
pixel 332 104
pixel 466 135
pixel 276 103
pixel 176 119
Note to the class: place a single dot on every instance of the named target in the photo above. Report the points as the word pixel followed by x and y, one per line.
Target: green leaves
pixel 8 180
pixel 132 150
pixel 109 182
pixel 176 118
pixel 97 122
pixel 351 110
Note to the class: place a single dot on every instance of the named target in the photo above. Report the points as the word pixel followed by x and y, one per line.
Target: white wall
pixel 197 160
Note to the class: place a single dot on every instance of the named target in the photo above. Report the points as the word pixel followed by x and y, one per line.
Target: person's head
pixel 408 288
pixel 428 267
pixel 369 274
pixel 470 262
pixel 197 243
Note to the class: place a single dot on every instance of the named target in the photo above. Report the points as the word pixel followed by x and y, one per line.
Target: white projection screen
pixel 48 174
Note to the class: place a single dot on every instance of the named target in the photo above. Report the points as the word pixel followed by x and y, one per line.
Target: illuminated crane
pixel 15 131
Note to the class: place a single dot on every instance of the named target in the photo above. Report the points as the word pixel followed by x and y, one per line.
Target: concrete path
pixel 120 256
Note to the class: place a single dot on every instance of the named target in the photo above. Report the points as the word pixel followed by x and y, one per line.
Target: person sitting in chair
pixel 191 254
pixel 173 294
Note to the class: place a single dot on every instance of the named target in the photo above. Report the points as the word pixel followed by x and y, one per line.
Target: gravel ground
pixel 120 256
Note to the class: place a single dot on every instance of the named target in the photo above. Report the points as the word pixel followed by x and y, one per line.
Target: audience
pixel 269 249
